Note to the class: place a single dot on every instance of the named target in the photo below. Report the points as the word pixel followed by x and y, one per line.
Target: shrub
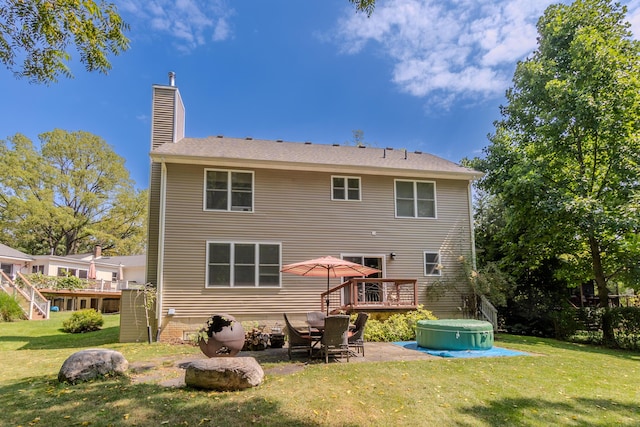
pixel 9 308
pixel 70 282
pixel 40 281
pixel 83 321
pixel 398 327
pixel 626 327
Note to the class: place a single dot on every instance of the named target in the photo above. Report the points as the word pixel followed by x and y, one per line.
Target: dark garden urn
pixel 221 336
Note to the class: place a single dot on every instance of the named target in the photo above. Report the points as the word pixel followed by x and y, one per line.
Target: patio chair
pixel 334 339
pixel 297 340
pixel 315 317
pixel 356 337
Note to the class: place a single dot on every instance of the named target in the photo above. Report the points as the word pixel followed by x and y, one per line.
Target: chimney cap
pixel 172 78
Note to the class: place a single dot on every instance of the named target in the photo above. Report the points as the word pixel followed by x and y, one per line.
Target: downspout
pixel 161 223
pixel 472 229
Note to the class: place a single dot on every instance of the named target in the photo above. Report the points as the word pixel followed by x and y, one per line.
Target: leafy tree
pixel 365 6
pixel 35 36
pixel 71 195
pixel 565 157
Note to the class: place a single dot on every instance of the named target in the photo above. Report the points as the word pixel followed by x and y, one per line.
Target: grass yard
pixel 564 384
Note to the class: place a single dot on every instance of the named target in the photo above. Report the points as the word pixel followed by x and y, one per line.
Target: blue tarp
pixel 492 352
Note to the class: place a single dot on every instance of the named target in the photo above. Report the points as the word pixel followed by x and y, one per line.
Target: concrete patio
pixel 169 371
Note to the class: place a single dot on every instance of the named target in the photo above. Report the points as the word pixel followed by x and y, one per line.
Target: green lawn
pixel 564 384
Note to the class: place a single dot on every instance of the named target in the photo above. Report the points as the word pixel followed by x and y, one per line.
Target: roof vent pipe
pixel 405 154
pixel 384 153
pixel 172 78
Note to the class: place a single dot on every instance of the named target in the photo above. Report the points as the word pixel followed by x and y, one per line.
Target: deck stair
pixel 34 305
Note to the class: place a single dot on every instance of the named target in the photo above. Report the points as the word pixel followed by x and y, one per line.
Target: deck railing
pixel 110 286
pixel 488 312
pixel 34 304
pixel 371 294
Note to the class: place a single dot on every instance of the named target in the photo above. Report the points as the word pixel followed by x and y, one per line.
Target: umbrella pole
pixel 327 298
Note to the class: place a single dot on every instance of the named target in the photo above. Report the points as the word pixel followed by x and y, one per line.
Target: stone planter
pixel 225 336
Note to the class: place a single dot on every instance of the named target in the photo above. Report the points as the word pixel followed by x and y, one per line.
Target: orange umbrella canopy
pixel 330 267
pixel 92 270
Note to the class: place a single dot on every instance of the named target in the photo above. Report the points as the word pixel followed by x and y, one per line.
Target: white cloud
pixel 191 23
pixel 222 30
pixel 447 50
pixel 633 16
pixel 457 49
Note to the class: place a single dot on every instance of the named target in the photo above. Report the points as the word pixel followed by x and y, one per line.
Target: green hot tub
pixel 454 334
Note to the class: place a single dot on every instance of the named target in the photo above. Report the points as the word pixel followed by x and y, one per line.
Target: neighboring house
pixel 226 214
pixel 13 261
pixel 121 269
pixel 107 276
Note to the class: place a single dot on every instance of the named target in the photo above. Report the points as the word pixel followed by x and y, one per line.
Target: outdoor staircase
pixel 33 304
pixel 486 311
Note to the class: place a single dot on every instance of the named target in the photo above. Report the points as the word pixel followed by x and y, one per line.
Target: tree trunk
pixel 603 292
pixel 598 273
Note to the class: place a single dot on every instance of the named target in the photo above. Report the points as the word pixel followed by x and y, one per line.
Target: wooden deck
pixel 371 294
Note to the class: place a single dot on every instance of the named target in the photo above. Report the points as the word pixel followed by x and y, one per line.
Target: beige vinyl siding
pixel 167 126
pixel 133 320
pixel 153 224
pixel 295 209
pixel 164 103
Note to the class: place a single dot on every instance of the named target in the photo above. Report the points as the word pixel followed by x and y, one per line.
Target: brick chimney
pixel 97 251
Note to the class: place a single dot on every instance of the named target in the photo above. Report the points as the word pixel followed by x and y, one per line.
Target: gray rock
pixel 88 364
pixel 224 373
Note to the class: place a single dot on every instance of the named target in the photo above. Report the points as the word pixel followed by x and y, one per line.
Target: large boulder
pixel 224 373
pixel 88 364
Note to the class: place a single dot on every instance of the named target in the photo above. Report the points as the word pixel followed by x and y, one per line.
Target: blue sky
pixel 419 74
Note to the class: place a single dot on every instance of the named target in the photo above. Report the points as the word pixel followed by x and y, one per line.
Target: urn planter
pixel 222 336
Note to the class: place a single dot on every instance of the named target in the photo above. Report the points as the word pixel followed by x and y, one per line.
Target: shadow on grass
pixel 567 346
pixel 575 412
pixel 49 342
pixel 116 401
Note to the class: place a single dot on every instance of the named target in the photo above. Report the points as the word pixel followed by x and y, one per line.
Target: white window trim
pixel 363 255
pixel 424 263
pixel 415 199
pixel 229 171
pixel 232 263
pixel 76 270
pixel 346 188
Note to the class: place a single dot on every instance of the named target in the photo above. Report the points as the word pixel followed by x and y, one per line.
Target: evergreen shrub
pixel 83 321
pixel 398 327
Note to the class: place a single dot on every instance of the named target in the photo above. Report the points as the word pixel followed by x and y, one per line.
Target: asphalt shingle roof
pixel 314 155
pixel 7 252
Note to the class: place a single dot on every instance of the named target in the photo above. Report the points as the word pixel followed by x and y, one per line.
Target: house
pixel 112 269
pixel 106 277
pixel 12 260
pixel 225 214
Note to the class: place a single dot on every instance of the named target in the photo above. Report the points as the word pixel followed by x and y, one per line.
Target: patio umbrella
pixel 92 270
pixel 330 267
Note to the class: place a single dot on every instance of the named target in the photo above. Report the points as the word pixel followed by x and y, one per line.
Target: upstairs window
pixel 432 265
pixel 415 199
pixel 232 264
pixel 228 191
pixel 345 188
